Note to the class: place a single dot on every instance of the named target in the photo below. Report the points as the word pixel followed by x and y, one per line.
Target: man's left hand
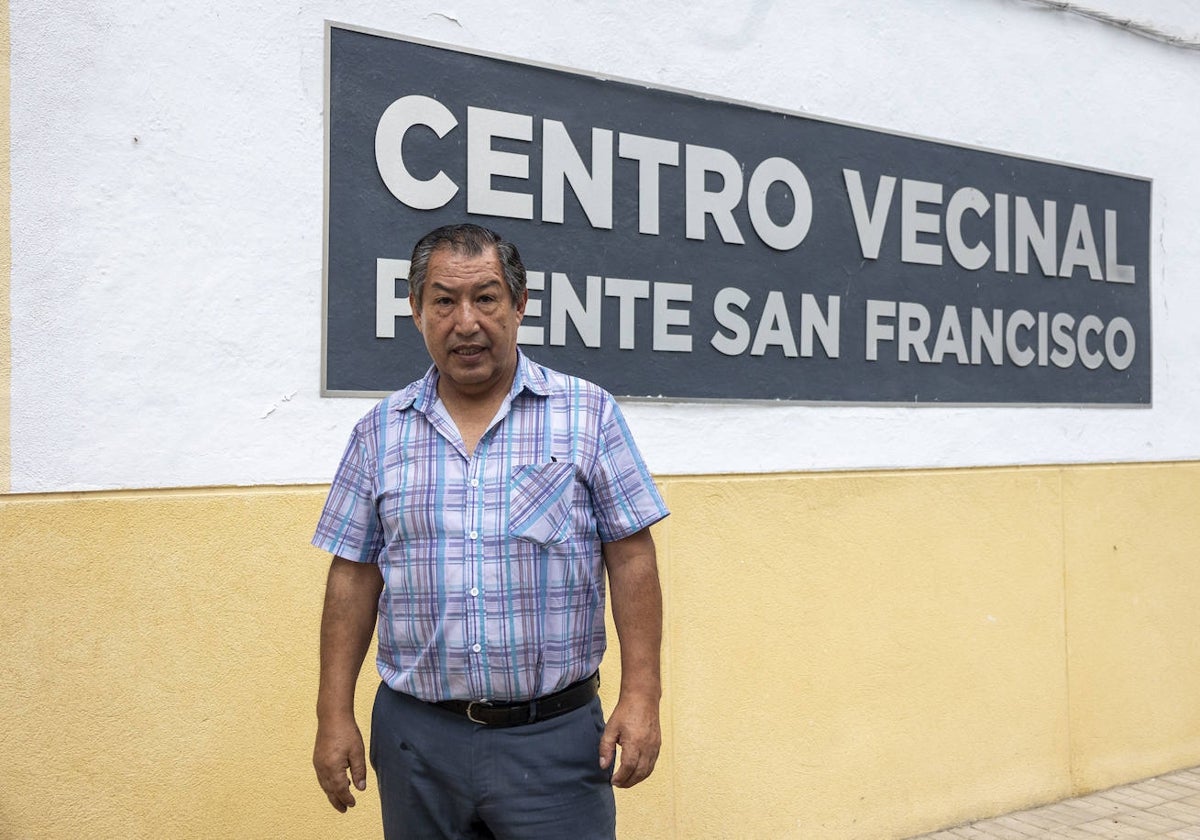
pixel 634 725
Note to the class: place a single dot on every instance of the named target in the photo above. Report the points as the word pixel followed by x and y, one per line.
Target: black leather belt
pixel 519 714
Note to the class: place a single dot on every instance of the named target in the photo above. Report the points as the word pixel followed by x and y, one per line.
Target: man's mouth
pixel 469 351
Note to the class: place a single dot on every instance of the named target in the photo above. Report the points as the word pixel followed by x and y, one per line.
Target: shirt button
pixel 474 535
pixel 474 482
pixel 476 648
pixel 474 591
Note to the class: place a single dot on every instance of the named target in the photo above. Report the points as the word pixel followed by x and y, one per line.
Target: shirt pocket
pixel 539 504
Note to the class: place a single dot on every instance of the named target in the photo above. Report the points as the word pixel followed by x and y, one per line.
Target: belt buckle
pixel 472 717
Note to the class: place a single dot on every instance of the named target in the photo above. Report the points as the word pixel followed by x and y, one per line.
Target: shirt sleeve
pixel 349 526
pixel 623 494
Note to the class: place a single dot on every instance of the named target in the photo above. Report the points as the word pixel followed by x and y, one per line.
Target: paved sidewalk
pixel 1165 806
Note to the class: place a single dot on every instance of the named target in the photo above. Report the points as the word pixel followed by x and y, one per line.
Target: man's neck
pixel 472 413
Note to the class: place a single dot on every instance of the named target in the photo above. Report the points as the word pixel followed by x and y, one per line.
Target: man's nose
pixel 466 319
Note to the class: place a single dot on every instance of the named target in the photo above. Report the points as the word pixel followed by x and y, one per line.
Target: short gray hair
pixel 469 240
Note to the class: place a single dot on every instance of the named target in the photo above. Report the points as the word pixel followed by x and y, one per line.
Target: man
pixel 475 514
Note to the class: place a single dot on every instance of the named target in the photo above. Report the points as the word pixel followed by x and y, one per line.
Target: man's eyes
pixel 444 301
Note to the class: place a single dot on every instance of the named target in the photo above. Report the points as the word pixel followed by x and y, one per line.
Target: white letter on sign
pixel 399 117
pixel 651 154
pixel 792 234
pixel 869 223
pixel 388 305
pixel 561 164
pixel 699 202
pixel 914 221
pixel 484 162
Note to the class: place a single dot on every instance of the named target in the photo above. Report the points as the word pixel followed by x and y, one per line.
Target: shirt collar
pixel 530 376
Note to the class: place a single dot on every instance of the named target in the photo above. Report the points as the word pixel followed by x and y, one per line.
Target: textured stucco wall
pixel 167 183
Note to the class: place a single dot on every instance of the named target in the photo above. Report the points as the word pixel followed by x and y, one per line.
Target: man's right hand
pixel 339 748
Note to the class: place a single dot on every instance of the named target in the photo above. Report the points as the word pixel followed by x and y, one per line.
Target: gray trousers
pixel 443 777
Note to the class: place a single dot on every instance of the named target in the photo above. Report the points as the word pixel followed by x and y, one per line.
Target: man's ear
pixel 416 310
pixel 521 304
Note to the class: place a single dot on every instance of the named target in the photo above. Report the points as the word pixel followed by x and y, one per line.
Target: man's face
pixel 469 323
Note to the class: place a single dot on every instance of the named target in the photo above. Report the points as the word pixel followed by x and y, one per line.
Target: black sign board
pixel 686 247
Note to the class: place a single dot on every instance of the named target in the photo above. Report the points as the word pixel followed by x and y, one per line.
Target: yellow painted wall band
pixel 848 656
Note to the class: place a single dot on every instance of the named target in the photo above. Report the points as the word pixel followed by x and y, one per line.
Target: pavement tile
pixel 1179 810
pixel 1048 818
pixel 1112 830
pixel 995 830
pixel 1186 778
pixel 1099 804
pixel 1074 832
pixel 1165 788
pixel 1123 796
pixel 1149 822
pixel 1090 808
pixel 1022 829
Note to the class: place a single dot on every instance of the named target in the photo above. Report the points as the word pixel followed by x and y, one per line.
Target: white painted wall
pixel 166 214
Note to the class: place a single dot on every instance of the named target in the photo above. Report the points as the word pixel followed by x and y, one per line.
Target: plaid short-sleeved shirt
pixel 491 561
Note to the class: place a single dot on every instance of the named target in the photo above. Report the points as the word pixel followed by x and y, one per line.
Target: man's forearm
pixel 347 624
pixel 637 612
